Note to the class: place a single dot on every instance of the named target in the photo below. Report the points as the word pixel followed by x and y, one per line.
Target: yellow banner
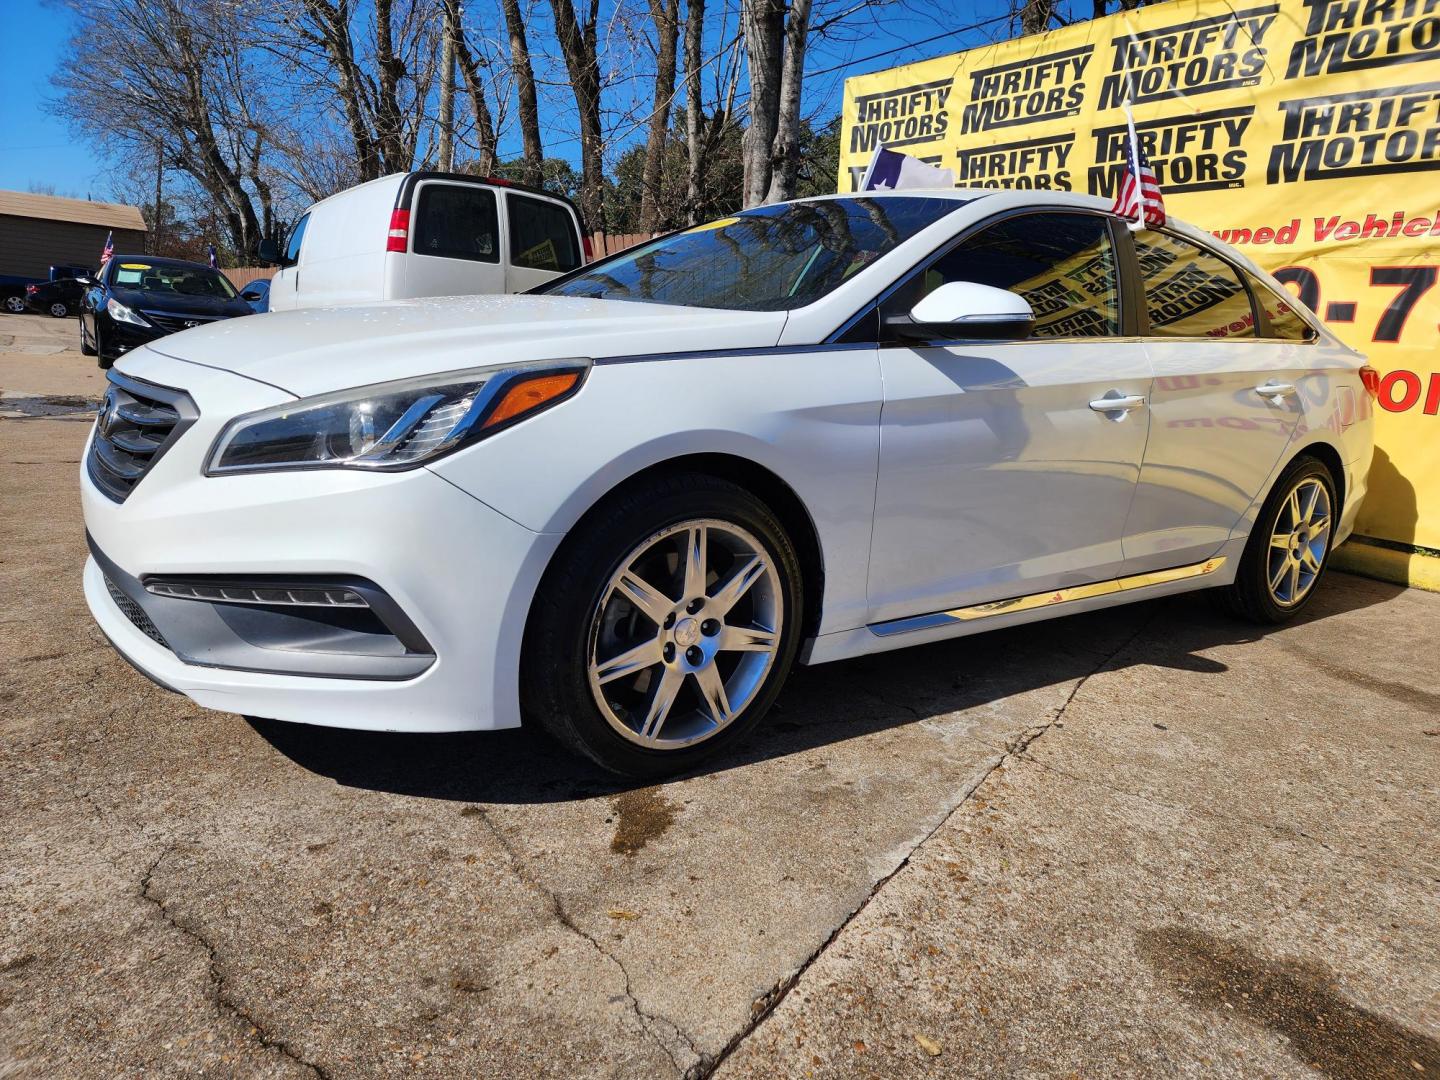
pixel 1304 132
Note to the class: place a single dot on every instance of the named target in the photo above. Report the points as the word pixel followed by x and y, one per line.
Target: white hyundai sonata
pixel 624 504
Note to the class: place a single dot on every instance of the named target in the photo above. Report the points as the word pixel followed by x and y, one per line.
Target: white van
pixel 425 234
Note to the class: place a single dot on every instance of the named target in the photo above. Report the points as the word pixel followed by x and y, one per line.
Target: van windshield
pixel 771 258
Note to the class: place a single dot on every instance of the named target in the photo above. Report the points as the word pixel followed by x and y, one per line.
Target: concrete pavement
pixel 1141 842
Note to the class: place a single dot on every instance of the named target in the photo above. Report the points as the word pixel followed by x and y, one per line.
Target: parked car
pixel 137 298
pixel 628 502
pixel 16 292
pixel 56 298
pixel 257 295
pixel 424 234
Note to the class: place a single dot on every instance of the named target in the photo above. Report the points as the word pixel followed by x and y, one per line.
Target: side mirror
pixel 966 309
pixel 85 282
pixel 268 252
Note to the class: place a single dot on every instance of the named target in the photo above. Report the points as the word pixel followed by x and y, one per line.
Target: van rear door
pixel 455 243
pixel 543 239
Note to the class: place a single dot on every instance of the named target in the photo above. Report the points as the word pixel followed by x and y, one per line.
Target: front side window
pixel 1191 292
pixel 1285 322
pixel 1062 264
pixel 457 221
pixel 297 238
pixel 542 235
pixel 771 258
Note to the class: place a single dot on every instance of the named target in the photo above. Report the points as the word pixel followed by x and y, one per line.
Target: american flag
pixel 214 261
pixel 109 247
pixel 1139 197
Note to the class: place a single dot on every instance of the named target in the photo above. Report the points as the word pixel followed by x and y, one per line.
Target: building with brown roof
pixel 40 231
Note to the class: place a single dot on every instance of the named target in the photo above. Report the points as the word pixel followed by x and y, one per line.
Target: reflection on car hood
pixel 179 303
pixel 316 350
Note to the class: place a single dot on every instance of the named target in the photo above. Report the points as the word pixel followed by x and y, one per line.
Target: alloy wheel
pixel 59 311
pixel 685 633
pixel 15 305
pixel 1299 539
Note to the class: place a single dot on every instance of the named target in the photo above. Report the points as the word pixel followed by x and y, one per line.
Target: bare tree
pixel 704 127
pixel 577 45
pixel 785 146
pixel 666 16
pixel 763 24
pixel 529 109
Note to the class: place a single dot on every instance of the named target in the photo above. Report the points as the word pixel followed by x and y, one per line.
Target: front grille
pixel 173 324
pixel 137 423
pixel 136 614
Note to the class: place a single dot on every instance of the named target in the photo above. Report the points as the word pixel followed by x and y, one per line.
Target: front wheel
pixel 86 349
pixel 1289 547
pixel 665 628
pixel 58 309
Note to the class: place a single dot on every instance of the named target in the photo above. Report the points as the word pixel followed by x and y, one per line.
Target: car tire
pixel 1289 547
pixel 15 305
pixel 102 361
pixel 58 309
pixel 86 349
pixel 708 661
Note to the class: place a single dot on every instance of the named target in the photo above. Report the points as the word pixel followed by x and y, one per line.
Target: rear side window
pixel 457 221
pixel 542 235
pixel 297 238
pixel 1285 322
pixel 1190 292
pixel 1062 264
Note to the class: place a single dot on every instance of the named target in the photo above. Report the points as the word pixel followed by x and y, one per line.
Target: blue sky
pixel 37 148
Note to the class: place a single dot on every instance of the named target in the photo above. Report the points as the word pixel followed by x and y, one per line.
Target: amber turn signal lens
pixel 531 394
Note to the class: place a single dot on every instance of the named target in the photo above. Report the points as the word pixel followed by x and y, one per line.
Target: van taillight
pixel 1371 378
pixel 589 248
pixel 399 238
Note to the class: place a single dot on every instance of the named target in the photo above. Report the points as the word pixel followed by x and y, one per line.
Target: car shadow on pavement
pixel 822 705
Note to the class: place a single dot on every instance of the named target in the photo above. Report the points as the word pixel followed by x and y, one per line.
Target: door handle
pixel 1121 403
pixel 1275 389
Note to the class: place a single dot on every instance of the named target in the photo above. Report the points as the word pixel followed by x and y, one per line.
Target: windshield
pixel 172 280
pixel 772 258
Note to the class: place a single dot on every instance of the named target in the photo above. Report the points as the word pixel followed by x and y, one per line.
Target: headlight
pixel 396 425
pixel 120 313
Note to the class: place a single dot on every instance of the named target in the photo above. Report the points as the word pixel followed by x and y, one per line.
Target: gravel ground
pixel 1143 842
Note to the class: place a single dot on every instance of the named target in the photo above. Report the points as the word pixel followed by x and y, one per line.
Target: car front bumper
pixel 459 574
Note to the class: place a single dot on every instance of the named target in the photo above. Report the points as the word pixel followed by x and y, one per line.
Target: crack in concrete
pixel 552 899
pixel 765 1005
pixel 221 995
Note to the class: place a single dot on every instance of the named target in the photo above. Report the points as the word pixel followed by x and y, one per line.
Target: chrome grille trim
pixel 137 422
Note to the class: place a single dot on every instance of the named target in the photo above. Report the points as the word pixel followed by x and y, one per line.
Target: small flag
pixel 214 261
pixel 890 170
pixel 1139 200
pixel 109 247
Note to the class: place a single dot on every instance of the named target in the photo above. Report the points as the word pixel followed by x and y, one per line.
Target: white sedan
pixel 624 505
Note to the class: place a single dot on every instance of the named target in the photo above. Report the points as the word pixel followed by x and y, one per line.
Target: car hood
pixel 317 350
pixel 180 304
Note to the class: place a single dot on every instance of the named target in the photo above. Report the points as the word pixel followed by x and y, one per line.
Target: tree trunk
pixel 1035 16
pixel 785 150
pixel 577 44
pixel 445 149
pixel 694 110
pixel 525 93
pixel 763 23
pixel 666 15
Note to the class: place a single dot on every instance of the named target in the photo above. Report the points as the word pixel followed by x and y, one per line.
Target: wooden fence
pixel 601 244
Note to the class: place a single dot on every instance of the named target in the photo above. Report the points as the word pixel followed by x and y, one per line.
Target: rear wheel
pixel 15 305
pixel 665 628
pixel 1289 547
